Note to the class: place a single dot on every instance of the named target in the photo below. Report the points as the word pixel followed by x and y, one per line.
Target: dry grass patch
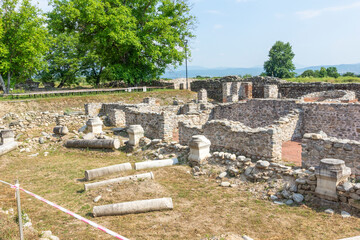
pixel 201 208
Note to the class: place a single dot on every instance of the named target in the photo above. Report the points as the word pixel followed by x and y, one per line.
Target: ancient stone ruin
pixel 247 122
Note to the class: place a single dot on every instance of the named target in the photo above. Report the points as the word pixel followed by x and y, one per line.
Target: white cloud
pixel 311 13
pixel 218 26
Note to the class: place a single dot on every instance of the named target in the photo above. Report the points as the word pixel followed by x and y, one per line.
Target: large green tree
pixel 63 60
pixel 140 38
pixel 23 41
pixel 280 61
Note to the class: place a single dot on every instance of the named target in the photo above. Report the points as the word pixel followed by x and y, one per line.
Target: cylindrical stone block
pixel 133 207
pixel 89 186
pixel 99 172
pixel 156 163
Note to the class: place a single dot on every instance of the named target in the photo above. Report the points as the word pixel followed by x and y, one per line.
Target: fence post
pixel 19 209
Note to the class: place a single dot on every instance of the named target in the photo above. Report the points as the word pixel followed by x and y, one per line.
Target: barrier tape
pixel 95 225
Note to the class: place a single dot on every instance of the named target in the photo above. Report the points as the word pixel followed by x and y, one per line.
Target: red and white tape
pixel 114 234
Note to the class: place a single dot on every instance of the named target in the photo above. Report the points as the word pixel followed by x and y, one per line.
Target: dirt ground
pixel 291 152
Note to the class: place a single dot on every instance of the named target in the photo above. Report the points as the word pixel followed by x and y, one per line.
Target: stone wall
pixel 339 120
pixel 92 109
pixel 259 143
pixel 316 147
pixel 286 89
pixel 290 126
pixel 297 90
pixel 331 96
pixel 255 113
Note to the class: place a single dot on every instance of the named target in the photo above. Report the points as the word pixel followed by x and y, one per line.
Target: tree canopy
pixel 135 40
pixel 280 61
pixel 23 41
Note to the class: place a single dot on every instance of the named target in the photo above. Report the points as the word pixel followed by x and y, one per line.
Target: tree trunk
pixel 62 82
pixel 3 84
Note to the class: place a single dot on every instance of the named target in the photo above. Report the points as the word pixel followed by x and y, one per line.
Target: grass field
pixel 326 79
pixel 202 208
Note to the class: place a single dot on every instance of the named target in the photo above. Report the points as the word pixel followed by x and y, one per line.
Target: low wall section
pixel 316 147
pixel 259 143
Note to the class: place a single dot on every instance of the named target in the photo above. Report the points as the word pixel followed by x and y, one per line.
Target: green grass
pixel 326 79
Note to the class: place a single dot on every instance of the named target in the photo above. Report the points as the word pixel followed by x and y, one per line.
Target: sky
pixel 240 33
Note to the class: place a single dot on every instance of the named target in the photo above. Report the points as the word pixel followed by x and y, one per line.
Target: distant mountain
pixel 194 71
pixel 342 68
pixel 211 72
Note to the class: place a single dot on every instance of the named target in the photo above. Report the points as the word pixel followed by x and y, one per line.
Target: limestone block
pixel 94 125
pixel 7 136
pixel 271 91
pixel 202 96
pixel 136 132
pixel 199 149
pixel 329 174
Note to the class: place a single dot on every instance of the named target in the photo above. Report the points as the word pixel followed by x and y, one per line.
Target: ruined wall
pixel 255 113
pixel 290 127
pixel 316 147
pixel 335 119
pixel 297 90
pixel 92 109
pixel 286 89
pixel 258 143
pixel 152 122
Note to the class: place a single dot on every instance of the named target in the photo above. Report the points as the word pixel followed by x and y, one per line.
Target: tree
pixel 63 60
pixel 332 72
pixel 322 72
pixel 349 74
pixel 23 41
pixel 140 38
pixel 280 61
pixel 308 73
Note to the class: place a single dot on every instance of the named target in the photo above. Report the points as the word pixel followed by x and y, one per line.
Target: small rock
pixel 329 211
pixel 285 194
pixel 97 199
pixel 246 237
pixel 262 164
pixel 54 237
pixel 273 198
pixel 345 214
pixel 46 234
pixel 41 140
pixel 289 202
pixel 34 155
pixel 278 203
pixel 347 186
pixel 222 175
pixel 225 184
pixel 297 197
pixel 46 154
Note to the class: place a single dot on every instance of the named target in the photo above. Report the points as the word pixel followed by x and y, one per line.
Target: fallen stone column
pixel 133 207
pixel 93 143
pixel 99 172
pixel 61 130
pixel 156 163
pixel 8 147
pixel 89 186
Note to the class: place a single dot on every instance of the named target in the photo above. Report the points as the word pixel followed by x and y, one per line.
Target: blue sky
pixel 240 33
